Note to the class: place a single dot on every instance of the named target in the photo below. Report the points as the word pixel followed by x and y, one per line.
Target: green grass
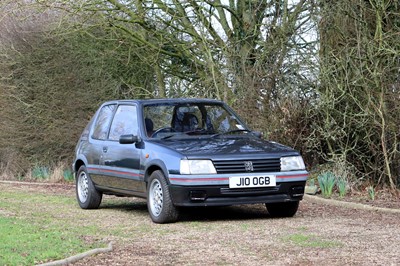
pixel 245 226
pixel 26 243
pixel 311 241
pixel 37 228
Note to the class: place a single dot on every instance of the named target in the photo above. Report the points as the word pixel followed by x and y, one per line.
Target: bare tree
pixel 357 115
pixel 229 48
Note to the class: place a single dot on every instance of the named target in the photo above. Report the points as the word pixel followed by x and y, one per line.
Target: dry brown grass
pixel 53 174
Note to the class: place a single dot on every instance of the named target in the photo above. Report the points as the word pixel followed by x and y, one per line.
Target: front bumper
pixel 223 195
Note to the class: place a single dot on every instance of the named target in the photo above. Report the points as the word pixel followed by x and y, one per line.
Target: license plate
pixel 252 181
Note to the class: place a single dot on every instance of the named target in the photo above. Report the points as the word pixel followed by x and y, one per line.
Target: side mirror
pixel 129 139
pixel 258 134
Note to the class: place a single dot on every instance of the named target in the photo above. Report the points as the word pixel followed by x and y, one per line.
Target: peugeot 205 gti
pixel 183 152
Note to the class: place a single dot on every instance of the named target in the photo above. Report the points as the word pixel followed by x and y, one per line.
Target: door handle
pixel 105 149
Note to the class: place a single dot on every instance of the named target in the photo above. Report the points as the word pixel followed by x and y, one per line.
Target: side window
pixel 125 122
pixel 103 122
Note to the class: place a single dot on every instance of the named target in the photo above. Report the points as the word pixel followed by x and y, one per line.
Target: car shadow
pixel 190 214
pixel 125 205
pixel 231 213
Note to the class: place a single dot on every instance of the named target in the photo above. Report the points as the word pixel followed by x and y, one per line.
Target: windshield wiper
pixel 230 132
pixel 167 137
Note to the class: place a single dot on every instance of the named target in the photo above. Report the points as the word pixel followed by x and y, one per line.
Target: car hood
pixel 215 147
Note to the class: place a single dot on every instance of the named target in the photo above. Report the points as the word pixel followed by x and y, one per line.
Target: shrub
pixel 341 184
pixel 326 182
pixel 52 83
pixel 68 175
pixel 371 192
pixel 40 173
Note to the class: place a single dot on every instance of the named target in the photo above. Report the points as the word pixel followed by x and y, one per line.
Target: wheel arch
pixel 77 164
pixel 154 166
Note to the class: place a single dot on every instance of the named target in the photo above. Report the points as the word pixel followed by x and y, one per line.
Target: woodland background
pixel 320 76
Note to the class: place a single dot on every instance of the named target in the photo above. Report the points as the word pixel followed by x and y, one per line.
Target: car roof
pixel 165 101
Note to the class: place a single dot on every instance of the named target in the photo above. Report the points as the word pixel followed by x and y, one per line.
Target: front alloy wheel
pixel 82 186
pixel 155 197
pixel 159 202
pixel 87 195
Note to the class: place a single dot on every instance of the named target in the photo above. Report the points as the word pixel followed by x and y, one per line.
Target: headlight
pixel 191 167
pixel 292 163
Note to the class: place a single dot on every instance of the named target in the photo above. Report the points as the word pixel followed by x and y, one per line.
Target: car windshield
pixel 187 120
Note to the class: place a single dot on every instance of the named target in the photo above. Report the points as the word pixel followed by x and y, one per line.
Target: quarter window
pixel 125 122
pixel 103 122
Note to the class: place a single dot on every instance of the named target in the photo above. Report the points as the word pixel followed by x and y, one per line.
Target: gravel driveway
pixel 319 234
pixel 238 235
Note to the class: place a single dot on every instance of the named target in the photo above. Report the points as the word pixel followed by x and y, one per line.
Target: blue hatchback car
pixel 183 152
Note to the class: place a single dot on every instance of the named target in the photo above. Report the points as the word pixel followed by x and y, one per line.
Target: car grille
pixel 250 191
pixel 239 166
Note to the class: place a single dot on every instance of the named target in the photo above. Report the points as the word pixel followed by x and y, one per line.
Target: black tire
pixel 87 195
pixel 159 202
pixel 282 209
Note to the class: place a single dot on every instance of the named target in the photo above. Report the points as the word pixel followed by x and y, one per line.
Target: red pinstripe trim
pixel 291 176
pixel 199 179
pixel 113 171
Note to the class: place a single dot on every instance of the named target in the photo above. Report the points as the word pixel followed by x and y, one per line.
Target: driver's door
pixel 122 161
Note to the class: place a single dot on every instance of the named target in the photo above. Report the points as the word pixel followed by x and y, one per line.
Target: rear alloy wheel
pixel 87 195
pixel 282 209
pixel 159 202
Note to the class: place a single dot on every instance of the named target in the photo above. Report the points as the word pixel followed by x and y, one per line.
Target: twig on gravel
pixel 80 256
